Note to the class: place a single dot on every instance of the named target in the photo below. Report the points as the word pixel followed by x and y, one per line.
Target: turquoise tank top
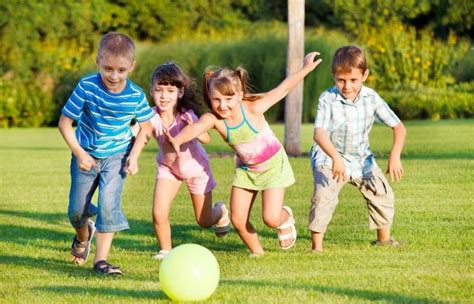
pixel 253 148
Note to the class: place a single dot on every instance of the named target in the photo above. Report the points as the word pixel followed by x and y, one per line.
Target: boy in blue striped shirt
pixel 103 104
pixel 341 153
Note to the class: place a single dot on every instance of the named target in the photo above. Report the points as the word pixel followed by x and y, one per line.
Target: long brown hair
pixel 170 73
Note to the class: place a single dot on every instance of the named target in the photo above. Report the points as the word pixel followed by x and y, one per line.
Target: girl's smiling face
pixel 166 97
pixel 224 105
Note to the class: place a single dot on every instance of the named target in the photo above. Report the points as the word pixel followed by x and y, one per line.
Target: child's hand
pixel 395 168
pixel 309 62
pixel 131 166
pixel 86 162
pixel 188 119
pixel 172 141
pixel 338 170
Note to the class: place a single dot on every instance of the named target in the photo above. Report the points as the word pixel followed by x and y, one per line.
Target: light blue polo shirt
pixel 348 125
pixel 103 118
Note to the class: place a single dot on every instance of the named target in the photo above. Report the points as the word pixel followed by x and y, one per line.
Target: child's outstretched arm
pixel 142 139
pixel 394 167
pixel 205 123
pixel 204 138
pixel 338 168
pixel 275 95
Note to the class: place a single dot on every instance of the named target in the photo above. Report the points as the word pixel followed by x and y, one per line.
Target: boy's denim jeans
pixel 109 177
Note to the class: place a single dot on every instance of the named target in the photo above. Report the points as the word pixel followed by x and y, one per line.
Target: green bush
pixel 264 57
pixel 404 57
pixel 24 105
pixel 432 103
pixel 465 68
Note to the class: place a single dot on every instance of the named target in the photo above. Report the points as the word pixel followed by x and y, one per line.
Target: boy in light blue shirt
pixel 341 153
pixel 103 104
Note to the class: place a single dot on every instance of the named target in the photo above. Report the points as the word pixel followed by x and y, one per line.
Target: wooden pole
pixel 295 54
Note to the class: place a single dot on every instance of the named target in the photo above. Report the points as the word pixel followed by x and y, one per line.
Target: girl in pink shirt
pixel 174 97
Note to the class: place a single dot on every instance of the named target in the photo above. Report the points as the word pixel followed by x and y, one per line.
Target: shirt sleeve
pixel 384 114
pixel 193 115
pixel 323 114
pixel 75 103
pixel 156 125
pixel 143 110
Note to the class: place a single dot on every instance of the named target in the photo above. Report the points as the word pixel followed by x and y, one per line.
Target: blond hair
pixel 116 44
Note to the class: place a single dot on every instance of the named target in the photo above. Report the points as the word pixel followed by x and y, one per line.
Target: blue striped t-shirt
pixel 348 125
pixel 103 118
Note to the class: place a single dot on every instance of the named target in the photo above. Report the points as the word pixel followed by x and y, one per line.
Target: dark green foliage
pixel 433 103
pixel 464 71
pixel 45 45
pixel 263 57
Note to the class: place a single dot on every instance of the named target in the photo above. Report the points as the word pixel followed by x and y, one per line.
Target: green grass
pixel 434 215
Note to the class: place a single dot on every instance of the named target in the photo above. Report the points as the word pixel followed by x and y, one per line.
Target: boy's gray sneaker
pixel 391 242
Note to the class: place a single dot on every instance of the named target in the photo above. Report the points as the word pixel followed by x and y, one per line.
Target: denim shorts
pixel 109 176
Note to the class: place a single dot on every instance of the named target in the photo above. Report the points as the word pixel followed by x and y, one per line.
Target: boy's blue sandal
pixel 104 268
pixel 223 226
pixel 76 244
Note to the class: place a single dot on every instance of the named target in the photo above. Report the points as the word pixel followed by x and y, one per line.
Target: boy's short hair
pixel 116 44
pixel 347 58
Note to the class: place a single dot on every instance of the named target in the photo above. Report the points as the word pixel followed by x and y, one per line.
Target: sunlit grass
pixel 434 215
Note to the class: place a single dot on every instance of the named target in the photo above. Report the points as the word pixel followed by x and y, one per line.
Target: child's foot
pixel 391 242
pixel 80 250
pixel 287 231
pixel 223 225
pixel 256 255
pixel 104 268
pixel 161 255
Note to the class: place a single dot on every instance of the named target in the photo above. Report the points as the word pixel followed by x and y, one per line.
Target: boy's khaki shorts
pixel 376 191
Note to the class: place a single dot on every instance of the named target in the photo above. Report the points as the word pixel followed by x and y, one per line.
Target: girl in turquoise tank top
pixel 262 163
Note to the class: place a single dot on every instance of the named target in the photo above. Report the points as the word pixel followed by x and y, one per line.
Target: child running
pixel 103 104
pixel 341 153
pixel 176 105
pixel 262 164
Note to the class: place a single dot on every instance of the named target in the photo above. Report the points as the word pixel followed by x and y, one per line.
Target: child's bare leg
pixel 383 234
pixel 317 241
pixel 103 242
pixel 273 213
pixel 206 216
pixel 241 202
pixel 165 192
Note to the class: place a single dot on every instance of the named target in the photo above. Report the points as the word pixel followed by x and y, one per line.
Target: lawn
pixel 434 216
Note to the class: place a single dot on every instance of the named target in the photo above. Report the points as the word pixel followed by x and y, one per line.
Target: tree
pixel 294 100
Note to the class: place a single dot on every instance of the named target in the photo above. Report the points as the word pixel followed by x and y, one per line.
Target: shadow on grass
pixel 63 267
pixel 46 264
pixel 51 218
pixel 105 292
pixel 386 297
pixel 181 233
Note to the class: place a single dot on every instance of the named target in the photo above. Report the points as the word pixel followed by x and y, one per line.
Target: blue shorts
pixel 109 176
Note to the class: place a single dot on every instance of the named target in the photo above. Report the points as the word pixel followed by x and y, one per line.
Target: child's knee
pixel 238 222
pixel 204 222
pixel 159 217
pixel 272 221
